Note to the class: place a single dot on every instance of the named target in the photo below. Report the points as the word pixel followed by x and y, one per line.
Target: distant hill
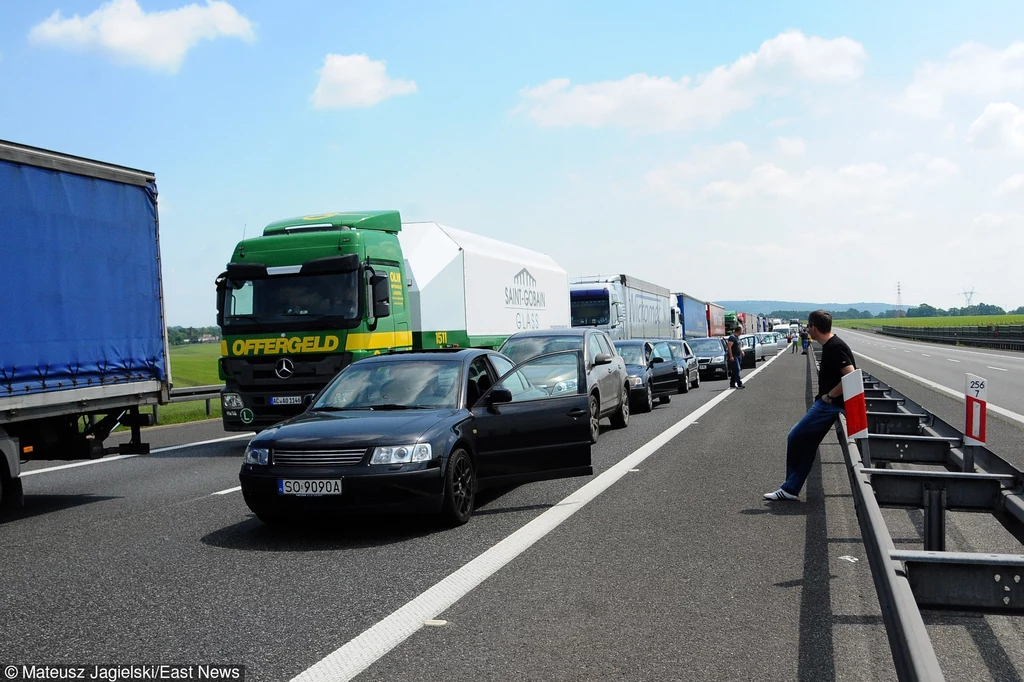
pixel 765 307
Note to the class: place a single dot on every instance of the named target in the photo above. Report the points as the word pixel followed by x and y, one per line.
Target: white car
pixel 769 342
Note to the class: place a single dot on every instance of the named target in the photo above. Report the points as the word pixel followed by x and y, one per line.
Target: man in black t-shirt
pixel 806 436
pixel 735 358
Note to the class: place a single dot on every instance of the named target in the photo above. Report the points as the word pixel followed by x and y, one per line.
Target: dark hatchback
pixel 422 432
pixel 652 373
pixel 712 354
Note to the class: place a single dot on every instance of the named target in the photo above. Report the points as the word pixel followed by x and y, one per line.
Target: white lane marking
pixel 952 360
pixel 364 650
pixel 1010 414
pixel 229 490
pixel 926 355
pixel 905 350
pixel 998 369
pixel 118 457
pixel 949 350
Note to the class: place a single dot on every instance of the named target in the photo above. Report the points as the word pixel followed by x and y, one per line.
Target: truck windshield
pixel 292 298
pixel 588 312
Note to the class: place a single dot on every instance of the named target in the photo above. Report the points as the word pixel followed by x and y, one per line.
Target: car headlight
pixel 232 401
pixel 401 454
pixel 636 381
pixel 255 455
pixel 567 386
pixel 718 359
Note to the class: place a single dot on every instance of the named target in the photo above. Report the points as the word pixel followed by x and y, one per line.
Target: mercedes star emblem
pixel 285 368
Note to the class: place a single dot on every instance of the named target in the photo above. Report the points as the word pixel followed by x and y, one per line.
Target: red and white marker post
pixel 856 409
pixel 976 393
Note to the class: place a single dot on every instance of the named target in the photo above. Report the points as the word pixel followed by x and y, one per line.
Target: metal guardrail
pixel 188 394
pixel 971 479
pixel 1003 337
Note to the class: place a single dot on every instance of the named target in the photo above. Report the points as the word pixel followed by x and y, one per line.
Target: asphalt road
pixel 947 365
pixel 676 571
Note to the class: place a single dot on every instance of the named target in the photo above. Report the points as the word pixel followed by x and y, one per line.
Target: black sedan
pixel 652 373
pixel 687 368
pixel 422 432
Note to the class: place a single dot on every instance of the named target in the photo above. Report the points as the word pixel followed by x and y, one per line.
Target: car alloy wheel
pixel 620 419
pixel 696 380
pixel 649 399
pixel 460 488
pixel 595 419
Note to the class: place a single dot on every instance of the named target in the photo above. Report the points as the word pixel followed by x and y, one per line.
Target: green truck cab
pixel 302 301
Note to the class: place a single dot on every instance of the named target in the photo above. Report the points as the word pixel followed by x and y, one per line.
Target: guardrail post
pixel 934 519
pixel 156 415
pixel 207 407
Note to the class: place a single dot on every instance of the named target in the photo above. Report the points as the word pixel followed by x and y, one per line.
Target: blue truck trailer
pixel 693 323
pixel 83 341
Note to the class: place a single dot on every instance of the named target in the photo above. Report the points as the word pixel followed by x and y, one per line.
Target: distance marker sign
pixel 976 392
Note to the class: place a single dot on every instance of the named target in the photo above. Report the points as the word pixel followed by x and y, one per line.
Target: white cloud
pixel 782 122
pixel 653 103
pixel 792 146
pixel 999 128
pixel 937 165
pixel 1011 185
pixel 354 80
pixel 971 69
pixel 156 40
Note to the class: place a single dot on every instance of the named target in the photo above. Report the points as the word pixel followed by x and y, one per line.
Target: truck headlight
pixel 255 455
pixel 232 401
pixel 401 454
pixel 567 386
pixel 636 381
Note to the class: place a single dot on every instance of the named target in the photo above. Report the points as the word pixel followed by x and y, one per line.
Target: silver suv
pixel 607 381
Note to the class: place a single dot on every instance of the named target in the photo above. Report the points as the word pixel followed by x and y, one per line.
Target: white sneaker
pixel 780 494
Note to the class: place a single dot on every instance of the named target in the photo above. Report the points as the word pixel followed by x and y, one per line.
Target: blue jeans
pixel 802 444
pixel 735 378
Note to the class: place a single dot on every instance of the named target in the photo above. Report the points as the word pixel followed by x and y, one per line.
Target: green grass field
pixel 192 365
pixel 967 321
pixel 195 365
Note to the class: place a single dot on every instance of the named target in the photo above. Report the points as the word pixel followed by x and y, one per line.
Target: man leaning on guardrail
pixel 806 436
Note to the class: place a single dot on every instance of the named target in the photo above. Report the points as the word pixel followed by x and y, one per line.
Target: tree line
pixel 922 310
pixel 179 336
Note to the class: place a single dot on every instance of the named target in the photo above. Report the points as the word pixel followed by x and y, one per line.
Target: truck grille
pixel 318 458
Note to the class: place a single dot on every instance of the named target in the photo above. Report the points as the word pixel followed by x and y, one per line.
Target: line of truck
pixel 83 340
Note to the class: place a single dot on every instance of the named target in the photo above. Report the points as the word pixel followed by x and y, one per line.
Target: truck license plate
pixel 287 400
pixel 315 486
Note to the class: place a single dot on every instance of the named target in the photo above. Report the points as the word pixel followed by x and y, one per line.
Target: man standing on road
pixel 735 359
pixel 805 338
pixel 793 338
pixel 804 438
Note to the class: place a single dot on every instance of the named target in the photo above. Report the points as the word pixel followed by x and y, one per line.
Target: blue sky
pixel 829 151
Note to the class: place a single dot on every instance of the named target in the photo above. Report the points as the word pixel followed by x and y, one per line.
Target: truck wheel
pixel 620 418
pixel 12 494
pixel 696 380
pixel 459 489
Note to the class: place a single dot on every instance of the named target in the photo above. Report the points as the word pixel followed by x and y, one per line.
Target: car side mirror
pixel 602 359
pixel 499 395
pixel 656 359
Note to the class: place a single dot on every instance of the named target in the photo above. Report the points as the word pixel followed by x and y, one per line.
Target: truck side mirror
pixel 379 288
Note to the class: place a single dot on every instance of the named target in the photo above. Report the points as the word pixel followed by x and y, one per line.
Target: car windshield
pixel 290 298
pixel 706 346
pixel 523 348
pixel 677 349
pixel 632 354
pixel 410 384
pixel 587 312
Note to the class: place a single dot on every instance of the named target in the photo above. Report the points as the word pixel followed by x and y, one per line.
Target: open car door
pixel 533 424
